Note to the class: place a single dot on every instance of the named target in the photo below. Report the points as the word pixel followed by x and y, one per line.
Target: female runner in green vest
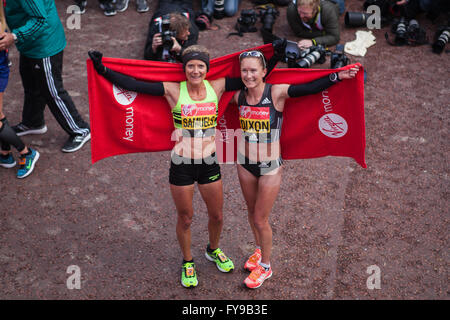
pixel 194 105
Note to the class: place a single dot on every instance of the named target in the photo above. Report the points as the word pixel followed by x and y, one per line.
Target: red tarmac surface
pixel 333 219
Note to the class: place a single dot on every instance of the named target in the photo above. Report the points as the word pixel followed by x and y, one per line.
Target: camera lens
pixel 356 19
pixel 309 60
pixel 442 40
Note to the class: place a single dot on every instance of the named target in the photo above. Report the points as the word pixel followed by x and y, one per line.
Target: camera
pixel 246 22
pixel 166 36
pixel 338 58
pixel 296 58
pixel 247 18
pixel 312 55
pixel 399 28
pixel 442 36
pixel 356 19
pixel 291 53
pixel 407 32
pixel 268 17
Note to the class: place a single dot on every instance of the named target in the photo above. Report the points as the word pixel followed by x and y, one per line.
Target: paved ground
pixel 115 220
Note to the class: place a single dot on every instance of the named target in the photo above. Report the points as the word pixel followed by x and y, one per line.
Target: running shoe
pixel 75 143
pixel 27 163
pixel 108 9
pixel 122 5
pixel 253 261
pixel 223 263
pixel 7 161
pixel 22 130
pixel 188 275
pixel 141 6
pixel 257 277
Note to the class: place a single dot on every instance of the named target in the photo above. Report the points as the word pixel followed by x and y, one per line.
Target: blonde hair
pixel 179 23
pixel 309 3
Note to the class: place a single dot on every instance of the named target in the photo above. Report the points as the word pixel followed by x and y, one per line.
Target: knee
pixel 260 223
pixel 185 219
pixel 216 217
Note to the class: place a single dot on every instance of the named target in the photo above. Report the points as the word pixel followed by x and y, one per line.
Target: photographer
pixel 316 21
pixel 179 14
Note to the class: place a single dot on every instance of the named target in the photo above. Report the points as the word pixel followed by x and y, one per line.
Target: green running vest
pixel 196 118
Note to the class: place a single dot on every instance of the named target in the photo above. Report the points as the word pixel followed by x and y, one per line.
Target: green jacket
pixel 327 19
pixel 37 26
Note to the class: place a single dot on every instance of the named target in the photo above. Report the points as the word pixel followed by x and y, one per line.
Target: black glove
pixel 279 48
pixel 96 58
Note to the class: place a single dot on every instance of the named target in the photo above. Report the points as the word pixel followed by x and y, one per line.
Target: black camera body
pixel 268 17
pixel 442 36
pixel 248 19
pixel 338 58
pixel 399 28
pixel 407 32
pixel 166 36
pixel 291 53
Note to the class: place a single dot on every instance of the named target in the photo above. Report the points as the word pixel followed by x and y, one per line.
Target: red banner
pixel 329 123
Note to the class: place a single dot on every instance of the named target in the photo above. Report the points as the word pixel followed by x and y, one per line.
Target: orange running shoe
pixel 253 261
pixel 257 277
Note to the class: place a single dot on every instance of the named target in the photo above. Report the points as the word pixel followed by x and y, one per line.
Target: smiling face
pixel 252 71
pixel 195 71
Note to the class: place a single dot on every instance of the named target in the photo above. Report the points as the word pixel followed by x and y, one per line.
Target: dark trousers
pixel 43 85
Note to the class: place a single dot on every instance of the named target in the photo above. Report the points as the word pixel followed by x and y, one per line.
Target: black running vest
pixel 260 123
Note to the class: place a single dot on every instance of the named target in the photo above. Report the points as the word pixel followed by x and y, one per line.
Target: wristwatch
pixel 14 36
pixel 334 77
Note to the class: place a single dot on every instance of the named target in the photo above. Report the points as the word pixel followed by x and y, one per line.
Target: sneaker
pixel 253 261
pixel 141 6
pixel 22 129
pixel 7 161
pixel 75 143
pixel 27 163
pixel 82 5
pixel 188 275
pixel 223 263
pixel 257 277
pixel 122 5
pixel 108 9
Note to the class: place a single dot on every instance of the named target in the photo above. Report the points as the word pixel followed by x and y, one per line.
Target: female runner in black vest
pixel 259 158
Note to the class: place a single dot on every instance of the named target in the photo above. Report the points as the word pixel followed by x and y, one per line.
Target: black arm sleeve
pixel 271 64
pixel 233 84
pixel 312 87
pixel 129 83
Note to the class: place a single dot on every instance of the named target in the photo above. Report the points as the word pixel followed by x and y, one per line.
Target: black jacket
pixel 166 7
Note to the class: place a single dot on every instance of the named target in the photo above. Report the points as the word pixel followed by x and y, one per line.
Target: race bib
pixel 198 116
pixel 254 119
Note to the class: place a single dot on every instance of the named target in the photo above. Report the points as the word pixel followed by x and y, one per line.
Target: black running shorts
pixel 185 171
pixel 259 168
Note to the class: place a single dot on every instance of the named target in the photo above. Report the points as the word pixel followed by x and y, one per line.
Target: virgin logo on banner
pixel 124 97
pixel 330 123
pixel 333 125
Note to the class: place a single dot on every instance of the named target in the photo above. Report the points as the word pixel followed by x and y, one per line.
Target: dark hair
pixel 195 52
